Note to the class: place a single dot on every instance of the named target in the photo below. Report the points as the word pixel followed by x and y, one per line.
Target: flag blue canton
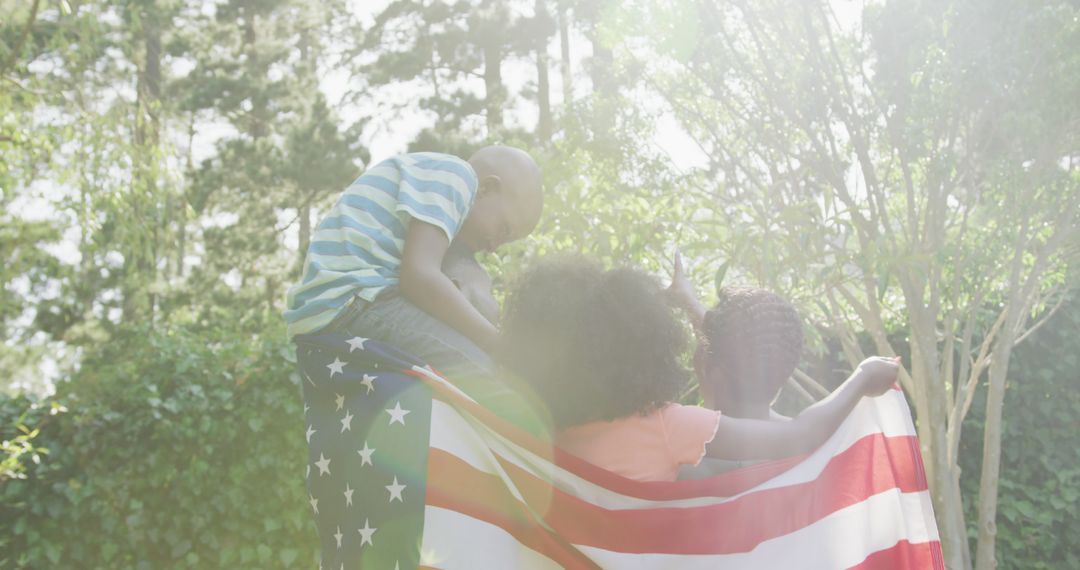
pixel 368 425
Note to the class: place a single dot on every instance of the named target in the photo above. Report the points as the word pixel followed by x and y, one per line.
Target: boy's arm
pixel 681 294
pixel 473 282
pixel 738 439
pixel 425 285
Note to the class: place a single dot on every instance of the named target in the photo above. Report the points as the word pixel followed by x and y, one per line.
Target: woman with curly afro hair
pixel 601 348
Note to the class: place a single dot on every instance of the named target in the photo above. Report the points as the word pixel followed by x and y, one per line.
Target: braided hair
pixel 592 344
pixel 754 338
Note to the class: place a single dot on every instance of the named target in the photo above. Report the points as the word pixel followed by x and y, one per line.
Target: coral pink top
pixel 645 448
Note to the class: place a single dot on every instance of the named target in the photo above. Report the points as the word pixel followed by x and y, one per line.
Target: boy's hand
pixel 877 374
pixel 681 291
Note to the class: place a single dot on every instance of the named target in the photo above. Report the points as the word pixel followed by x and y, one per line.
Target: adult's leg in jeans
pixel 407 327
pixel 401 324
pixel 398 322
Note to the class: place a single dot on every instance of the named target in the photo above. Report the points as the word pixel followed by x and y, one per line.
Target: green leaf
pixel 288 556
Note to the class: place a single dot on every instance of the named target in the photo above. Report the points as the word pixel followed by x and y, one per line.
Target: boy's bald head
pixel 509 197
pixel 514 168
pixel 507 162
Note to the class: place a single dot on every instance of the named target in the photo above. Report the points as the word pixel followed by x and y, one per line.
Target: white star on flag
pixel 395 491
pixel 336 367
pixel 397 414
pixel 348 495
pixel 365 455
pixel 337 536
pixel 310 430
pixel 355 343
pixel 314 504
pixel 368 383
pixel 365 533
pixel 323 464
pixel 339 401
pixel 346 422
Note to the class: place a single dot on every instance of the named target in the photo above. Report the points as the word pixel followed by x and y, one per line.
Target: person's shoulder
pixel 689 429
pixel 430 156
pixel 434 160
pixel 439 165
pixel 675 411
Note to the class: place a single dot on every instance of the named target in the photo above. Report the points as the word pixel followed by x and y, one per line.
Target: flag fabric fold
pixel 407 471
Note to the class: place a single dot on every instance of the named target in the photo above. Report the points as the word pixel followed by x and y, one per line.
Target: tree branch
pixel 1042 319
pixel 811 383
pixel 17 48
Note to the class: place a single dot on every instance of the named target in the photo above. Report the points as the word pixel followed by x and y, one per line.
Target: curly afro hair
pixel 755 338
pixel 593 344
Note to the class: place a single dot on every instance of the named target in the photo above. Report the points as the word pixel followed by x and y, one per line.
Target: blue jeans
pixel 396 321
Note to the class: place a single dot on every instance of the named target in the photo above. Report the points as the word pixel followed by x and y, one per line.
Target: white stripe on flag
pixel 453 540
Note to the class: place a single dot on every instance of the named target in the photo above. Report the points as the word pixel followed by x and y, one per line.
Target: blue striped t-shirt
pixel 357 248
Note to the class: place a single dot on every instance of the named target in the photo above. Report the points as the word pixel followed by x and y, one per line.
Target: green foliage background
pixel 1039 516
pixel 180 151
pixel 180 447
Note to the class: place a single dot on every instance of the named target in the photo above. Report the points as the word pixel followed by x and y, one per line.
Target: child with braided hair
pixel 600 349
pixel 750 344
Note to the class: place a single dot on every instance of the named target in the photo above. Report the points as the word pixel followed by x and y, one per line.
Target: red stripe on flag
pixel 872 465
pixel 905 555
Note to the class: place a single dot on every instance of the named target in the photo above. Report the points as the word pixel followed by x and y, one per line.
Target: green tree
pixel 855 167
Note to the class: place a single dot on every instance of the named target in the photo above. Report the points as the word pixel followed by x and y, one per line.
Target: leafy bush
pixel 183 448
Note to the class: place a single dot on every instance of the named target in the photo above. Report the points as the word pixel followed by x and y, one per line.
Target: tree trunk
pixel 493 87
pixel 181 238
pixel 140 263
pixel 932 411
pixel 603 59
pixel 271 295
pixel 991 460
pixel 543 95
pixel 16 50
pixel 305 237
pixel 257 126
pixel 564 50
pixel 985 558
pixel 181 224
pixel 605 106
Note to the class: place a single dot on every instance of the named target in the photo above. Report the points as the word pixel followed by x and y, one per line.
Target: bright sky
pixel 385 138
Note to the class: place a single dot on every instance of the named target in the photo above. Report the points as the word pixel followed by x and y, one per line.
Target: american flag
pixel 406 471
